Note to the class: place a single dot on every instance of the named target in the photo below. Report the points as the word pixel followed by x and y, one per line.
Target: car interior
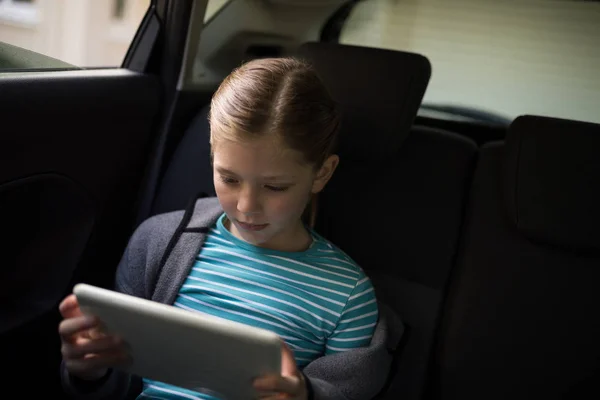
pixel 489 249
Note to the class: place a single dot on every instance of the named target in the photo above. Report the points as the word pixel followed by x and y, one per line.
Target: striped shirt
pixel 318 301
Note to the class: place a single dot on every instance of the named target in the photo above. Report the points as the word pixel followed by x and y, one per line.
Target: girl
pixel 273 128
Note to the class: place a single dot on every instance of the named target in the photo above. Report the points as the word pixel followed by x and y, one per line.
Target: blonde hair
pixel 280 96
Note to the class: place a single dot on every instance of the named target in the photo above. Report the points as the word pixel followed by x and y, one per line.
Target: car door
pixel 77 150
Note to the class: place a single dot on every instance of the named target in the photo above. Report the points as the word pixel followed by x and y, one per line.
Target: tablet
pixel 185 348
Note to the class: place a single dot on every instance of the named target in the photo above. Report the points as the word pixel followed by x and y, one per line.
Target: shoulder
pixel 157 226
pixel 151 239
pixel 335 257
pixel 161 227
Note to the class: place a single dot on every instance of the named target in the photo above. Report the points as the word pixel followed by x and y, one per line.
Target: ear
pixel 325 173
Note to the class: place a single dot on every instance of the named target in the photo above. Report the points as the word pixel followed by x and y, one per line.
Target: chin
pixel 254 238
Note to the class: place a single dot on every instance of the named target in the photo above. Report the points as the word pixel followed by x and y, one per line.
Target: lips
pixel 251 227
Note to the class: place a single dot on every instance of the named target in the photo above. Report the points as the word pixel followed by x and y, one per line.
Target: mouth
pixel 251 227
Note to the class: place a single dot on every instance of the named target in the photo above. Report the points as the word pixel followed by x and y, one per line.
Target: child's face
pixel 263 188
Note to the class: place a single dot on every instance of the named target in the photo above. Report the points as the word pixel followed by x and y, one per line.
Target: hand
pixel 289 385
pixel 87 352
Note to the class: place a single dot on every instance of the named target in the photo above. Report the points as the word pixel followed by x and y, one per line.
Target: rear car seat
pixel 396 202
pixel 523 316
pixel 189 171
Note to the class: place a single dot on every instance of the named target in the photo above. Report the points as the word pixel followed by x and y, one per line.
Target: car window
pixel 213 7
pixel 39 34
pixel 504 58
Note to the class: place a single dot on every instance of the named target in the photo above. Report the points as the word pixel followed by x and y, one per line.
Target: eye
pixel 277 188
pixel 228 181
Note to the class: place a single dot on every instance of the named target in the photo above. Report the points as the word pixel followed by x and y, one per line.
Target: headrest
pixel 553 181
pixel 379 91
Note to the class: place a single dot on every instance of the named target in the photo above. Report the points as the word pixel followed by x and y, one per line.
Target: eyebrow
pixel 225 171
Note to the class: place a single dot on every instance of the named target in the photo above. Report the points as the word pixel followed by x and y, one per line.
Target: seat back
pixel 189 171
pixel 523 316
pixel 396 202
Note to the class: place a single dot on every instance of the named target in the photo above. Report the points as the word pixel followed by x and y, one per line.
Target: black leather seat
pixel 396 202
pixel 189 171
pixel 523 317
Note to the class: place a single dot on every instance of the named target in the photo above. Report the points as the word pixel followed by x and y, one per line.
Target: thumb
pixel 288 362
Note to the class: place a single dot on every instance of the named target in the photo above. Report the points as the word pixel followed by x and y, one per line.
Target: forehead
pixel 264 156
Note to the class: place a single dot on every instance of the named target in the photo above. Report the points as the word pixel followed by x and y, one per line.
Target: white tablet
pixel 188 349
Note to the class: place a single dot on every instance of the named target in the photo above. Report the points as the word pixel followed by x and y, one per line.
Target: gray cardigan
pixel 155 264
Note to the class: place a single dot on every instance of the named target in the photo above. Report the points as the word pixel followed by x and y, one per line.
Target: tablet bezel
pixel 228 354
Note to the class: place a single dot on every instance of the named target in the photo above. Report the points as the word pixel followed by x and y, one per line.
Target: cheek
pixel 226 198
pixel 290 206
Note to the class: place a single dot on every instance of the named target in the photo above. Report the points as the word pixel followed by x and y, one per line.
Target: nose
pixel 248 201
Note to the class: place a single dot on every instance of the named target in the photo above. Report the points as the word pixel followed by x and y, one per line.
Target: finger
pixel 71 326
pixel 97 332
pixel 276 396
pixel 83 365
pixel 81 347
pixel 280 384
pixel 69 307
pixel 288 362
